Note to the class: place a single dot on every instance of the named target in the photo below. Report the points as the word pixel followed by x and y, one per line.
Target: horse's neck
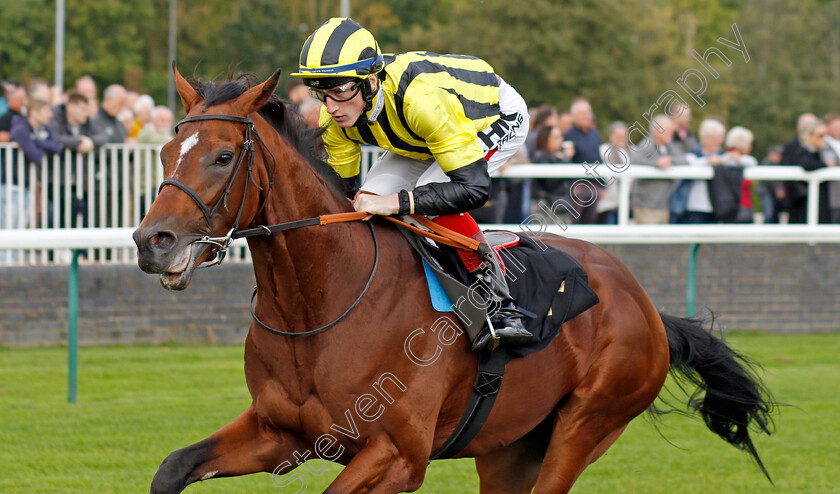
pixel 303 274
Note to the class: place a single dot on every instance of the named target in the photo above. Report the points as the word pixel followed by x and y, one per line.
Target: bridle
pixel 222 244
pixel 247 152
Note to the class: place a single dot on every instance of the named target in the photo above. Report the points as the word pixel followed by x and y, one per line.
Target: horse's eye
pixel 224 159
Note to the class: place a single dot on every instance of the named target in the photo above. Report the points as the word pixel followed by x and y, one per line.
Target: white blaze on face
pixel 186 145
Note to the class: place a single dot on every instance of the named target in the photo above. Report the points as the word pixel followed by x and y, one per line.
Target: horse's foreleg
pixel 239 448
pixel 379 468
pixel 514 468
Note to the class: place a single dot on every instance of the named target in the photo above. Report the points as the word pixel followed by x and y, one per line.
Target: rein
pixel 337 320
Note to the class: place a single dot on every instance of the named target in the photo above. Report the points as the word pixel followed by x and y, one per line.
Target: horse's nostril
pixel 162 241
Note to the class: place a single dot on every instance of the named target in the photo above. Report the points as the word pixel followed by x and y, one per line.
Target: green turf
pixel 137 404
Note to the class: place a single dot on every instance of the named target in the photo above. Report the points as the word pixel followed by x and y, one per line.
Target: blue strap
pixel 370 62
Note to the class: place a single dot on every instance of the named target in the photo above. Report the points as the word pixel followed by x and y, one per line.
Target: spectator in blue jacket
pixel 35 140
pixel 33 133
pixel 586 140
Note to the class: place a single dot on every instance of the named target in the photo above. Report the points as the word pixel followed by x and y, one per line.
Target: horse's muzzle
pixel 155 249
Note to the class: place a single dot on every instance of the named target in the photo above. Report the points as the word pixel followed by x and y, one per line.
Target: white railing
pixel 112 187
pixel 118 183
pixel 625 179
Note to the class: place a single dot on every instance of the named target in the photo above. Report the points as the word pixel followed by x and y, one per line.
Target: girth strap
pixel 488 381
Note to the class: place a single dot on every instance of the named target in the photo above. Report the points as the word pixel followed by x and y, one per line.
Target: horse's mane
pixel 282 116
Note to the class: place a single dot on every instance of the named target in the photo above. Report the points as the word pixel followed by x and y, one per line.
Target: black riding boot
pixel 508 327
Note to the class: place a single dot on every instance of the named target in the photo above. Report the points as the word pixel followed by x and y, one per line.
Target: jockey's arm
pixel 468 188
pixel 438 116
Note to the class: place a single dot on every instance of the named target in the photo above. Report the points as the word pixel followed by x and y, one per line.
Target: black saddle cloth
pixel 549 286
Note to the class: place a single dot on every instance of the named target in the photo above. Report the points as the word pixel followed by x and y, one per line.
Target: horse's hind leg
pixel 596 413
pixel 514 468
pixel 239 448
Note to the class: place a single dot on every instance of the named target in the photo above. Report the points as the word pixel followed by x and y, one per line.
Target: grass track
pixel 137 404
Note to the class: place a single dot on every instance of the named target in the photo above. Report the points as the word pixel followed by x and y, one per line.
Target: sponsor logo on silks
pixel 502 130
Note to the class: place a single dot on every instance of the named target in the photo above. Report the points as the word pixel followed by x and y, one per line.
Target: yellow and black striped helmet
pixel 339 50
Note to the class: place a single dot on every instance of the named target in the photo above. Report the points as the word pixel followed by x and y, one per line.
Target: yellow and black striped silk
pixel 434 107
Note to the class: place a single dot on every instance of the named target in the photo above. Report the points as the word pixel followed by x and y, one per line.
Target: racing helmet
pixel 339 51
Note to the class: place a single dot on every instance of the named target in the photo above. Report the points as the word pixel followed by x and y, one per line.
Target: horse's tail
pixel 734 396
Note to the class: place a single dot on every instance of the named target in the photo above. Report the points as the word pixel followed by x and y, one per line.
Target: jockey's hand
pixel 381 205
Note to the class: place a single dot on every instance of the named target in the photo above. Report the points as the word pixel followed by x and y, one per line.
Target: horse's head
pixel 210 187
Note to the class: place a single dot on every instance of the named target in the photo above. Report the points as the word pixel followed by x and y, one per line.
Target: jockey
pixel 446 123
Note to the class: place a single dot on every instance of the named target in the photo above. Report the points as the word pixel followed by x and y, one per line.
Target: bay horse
pixel 387 384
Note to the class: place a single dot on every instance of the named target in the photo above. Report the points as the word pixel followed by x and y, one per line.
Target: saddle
pixel 549 287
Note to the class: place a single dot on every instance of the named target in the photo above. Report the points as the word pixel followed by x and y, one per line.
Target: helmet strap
pixel 368 95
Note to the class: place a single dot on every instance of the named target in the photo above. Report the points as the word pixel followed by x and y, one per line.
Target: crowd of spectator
pixel 44 120
pixel 573 137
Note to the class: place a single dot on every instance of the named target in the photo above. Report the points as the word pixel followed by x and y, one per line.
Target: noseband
pixel 247 151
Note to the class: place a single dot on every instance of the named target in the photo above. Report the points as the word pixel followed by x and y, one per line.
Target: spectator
pixel 126 117
pixel 805 152
pixel 159 130
pixel 739 143
pixel 791 149
pixel 608 201
pixel 86 86
pixel 106 118
pixel 698 205
pixel 39 88
pixel 142 114
pixel 56 96
pixel 586 140
pixel 544 116
pixel 310 110
pixel 832 158
pixel 650 197
pixel 772 194
pixel 683 136
pixel 130 100
pixel 4 106
pixel 35 140
pixel 564 121
pixel 297 92
pixel 76 131
pixel 549 141
pixel 74 128
pixel 33 134
pixel 16 101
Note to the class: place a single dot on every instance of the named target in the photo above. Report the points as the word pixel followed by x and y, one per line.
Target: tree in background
pixel 620 54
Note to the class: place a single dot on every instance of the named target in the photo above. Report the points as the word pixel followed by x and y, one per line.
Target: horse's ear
pixel 254 98
pixel 188 94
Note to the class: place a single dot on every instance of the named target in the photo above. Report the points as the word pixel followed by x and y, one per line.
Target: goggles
pixel 339 94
